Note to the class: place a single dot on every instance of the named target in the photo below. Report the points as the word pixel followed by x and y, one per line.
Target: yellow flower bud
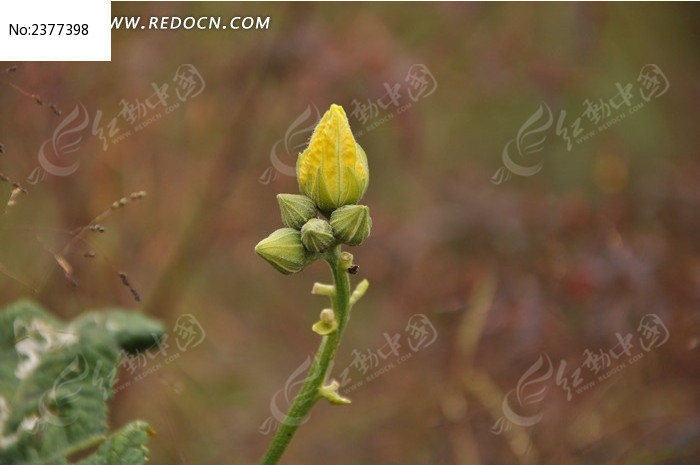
pixel 333 170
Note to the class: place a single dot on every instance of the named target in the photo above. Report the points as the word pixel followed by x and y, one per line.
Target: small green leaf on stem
pixel 323 289
pixel 330 392
pixel 359 291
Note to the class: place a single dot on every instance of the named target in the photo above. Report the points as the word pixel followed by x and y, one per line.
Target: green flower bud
pixel 316 235
pixel 284 251
pixel 327 323
pixel 296 209
pixel 333 169
pixel 351 224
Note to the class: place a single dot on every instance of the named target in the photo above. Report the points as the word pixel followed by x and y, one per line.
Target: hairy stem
pixel 309 392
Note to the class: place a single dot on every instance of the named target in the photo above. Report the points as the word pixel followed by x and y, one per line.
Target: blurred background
pixel 534 190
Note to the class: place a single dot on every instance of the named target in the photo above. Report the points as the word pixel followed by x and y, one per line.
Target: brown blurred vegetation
pixel 556 263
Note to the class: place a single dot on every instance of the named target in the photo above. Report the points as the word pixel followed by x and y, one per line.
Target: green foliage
pixel 56 380
pixel 128 445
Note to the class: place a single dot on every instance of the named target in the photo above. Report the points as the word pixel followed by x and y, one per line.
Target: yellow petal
pixel 333 171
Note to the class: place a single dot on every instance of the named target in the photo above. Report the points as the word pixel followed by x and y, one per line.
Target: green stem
pixel 309 392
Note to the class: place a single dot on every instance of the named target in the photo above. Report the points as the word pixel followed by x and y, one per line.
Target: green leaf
pixel 56 378
pixel 126 446
pixel 132 331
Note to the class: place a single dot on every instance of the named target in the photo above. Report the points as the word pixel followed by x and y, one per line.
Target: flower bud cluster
pixel 333 176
